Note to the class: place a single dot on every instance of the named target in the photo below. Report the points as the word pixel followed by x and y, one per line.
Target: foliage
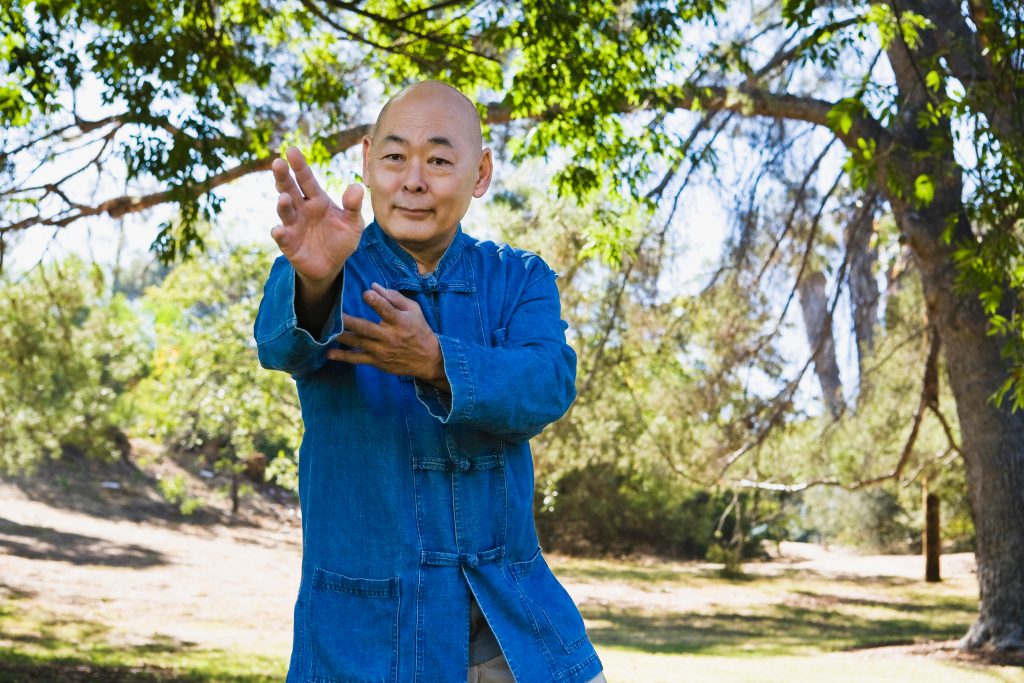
pixel 206 392
pixel 72 352
pixel 603 509
pixel 189 93
pixel 635 463
pixel 867 445
pixel 174 491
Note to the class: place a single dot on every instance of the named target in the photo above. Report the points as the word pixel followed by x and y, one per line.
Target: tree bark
pixel 863 257
pixel 992 438
pixel 818 323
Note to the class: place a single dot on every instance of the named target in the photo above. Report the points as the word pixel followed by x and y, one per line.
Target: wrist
pixel 317 286
pixel 436 375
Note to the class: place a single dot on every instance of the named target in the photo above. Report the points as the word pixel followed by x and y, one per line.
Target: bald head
pixel 429 98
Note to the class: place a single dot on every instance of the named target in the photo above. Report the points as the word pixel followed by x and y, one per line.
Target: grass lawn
pixel 45 647
pixel 651 622
pixel 784 625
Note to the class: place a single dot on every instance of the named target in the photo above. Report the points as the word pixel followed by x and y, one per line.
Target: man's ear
pixel 483 180
pixel 367 143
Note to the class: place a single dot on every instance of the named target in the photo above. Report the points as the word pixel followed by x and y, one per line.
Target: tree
pixel 206 391
pixel 904 86
pixel 73 351
pixel 635 463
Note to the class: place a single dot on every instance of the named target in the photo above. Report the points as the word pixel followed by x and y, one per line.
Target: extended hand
pixel 401 344
pixel 316 235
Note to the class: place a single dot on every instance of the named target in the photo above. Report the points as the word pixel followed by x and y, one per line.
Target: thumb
pixel 352 199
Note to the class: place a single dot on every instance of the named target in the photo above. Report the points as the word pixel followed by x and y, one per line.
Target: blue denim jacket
pixel 411 498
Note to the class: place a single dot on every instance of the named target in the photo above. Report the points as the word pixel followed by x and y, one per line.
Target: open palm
pixel 316 235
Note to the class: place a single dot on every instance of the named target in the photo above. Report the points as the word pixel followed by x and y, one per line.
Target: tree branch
pixel 743 100
pixel 927 401
pixel 748 100
pixel 398 25
pixel 785 56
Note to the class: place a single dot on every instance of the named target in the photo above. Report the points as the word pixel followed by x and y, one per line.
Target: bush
pixel 71 350
pixel 604 509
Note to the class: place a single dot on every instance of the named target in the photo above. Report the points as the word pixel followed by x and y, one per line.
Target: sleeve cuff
pixel 281 343
pixel 335 323
pixel 459 406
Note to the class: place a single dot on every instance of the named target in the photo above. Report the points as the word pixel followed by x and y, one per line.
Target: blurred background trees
pixel 858 331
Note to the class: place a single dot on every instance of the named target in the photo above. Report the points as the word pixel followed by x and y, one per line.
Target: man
pixel 425 361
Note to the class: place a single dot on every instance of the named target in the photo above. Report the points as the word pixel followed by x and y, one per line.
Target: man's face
pixel 423 166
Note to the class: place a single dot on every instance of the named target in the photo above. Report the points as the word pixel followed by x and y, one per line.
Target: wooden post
pixel 932 535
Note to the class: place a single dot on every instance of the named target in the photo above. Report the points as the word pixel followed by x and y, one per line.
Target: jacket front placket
pixel 458 470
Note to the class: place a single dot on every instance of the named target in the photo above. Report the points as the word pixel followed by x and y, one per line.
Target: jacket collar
pixel 401 272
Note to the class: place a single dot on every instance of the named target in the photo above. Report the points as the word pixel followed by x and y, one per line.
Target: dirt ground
pixel 75 545
pixel 102 546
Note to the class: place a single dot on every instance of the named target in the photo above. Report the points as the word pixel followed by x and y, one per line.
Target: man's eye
pixel 393 157
pixel 437 161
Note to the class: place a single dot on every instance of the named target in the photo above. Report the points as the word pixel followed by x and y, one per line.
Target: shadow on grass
pixel 782 629
pixel 21 668
pixel 43 543
pixel 602 570
pixel 77 483
pixel 41 646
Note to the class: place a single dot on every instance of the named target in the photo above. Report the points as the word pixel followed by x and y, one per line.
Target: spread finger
pixel 283 179
pixel 303 174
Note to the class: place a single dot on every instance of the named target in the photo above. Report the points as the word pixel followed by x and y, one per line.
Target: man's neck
pixel 427 256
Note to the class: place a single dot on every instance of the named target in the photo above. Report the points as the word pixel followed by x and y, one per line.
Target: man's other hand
pixel 316 235
pixel 401 343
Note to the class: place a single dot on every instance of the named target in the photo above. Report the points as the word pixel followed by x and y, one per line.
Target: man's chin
pixel 416 231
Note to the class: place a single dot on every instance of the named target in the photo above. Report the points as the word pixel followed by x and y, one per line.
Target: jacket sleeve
pixel 280 343
pixel 515 389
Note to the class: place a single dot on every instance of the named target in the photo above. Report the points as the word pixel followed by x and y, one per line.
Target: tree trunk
pixel 862 258
pixel 992 438
pixel 932 535
pixel 818 323
pixel 234 492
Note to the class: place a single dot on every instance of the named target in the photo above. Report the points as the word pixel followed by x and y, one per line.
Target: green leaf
pixel 840 117
pixel 924 189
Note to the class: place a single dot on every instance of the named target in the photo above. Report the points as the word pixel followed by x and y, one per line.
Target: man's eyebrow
pixel 441 140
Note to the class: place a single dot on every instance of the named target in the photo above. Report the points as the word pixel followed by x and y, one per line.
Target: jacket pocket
pixel 558 621
pixel 353 629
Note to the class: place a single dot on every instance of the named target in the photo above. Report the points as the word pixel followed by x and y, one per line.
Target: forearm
pixel 314 300
pixel 516 387
pixel 282 343
pixel 511 393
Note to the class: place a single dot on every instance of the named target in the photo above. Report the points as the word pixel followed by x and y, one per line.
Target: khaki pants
pixel 496 671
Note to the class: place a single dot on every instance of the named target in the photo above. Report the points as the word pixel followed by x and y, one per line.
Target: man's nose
pixel 415 180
